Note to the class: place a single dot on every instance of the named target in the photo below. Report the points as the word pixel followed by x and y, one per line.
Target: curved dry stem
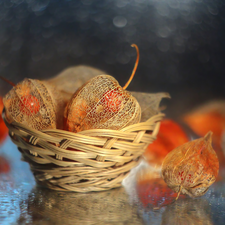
pixel 135 66
pixel 178 193
pixel 8 81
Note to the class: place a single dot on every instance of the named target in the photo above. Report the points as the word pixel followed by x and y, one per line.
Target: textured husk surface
pixel 50 103
pixel 101 103
pixel 191 167
pixel 46 115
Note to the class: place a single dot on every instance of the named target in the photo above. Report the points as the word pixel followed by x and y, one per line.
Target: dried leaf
pixel 72 78
pixel 149 103
pixel 192 167
pixel 170 136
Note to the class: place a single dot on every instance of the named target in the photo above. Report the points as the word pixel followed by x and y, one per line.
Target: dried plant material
pixel 149 103
pixel 3 128
pixel 72 78
pixel 192 167
pixel 102 103
pixel 152 190
pixel 170 136
pixel 35 104
pixel 210 116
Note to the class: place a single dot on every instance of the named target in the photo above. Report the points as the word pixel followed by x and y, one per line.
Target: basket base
pixel 80 179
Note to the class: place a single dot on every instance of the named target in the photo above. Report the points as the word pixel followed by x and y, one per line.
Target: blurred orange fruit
pixel 210 116
pixel 170 136
pixel 4 165
pixel 152 190
pixel 3 128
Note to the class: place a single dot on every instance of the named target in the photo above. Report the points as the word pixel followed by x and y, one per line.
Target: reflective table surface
pixel 182 52
pixel 22 202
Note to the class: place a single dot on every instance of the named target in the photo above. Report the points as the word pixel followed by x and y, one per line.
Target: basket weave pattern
pixel 91 160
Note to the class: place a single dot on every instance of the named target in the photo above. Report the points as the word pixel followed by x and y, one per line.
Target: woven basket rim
pixel 129 128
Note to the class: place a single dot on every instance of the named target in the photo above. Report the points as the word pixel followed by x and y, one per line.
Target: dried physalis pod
pixel 102 103
pixel 192 167
pixel 35 104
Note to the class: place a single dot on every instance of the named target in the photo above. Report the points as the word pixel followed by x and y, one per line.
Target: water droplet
pixel 119 21
pixel 213 10
pixel 163 32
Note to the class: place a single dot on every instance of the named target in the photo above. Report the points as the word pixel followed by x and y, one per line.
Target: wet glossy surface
pixel 22 202
pixel 182 52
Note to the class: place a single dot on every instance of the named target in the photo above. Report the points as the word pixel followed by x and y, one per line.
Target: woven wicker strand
pixel 91 160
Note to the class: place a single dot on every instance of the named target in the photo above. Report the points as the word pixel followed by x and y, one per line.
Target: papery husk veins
pixel 191 168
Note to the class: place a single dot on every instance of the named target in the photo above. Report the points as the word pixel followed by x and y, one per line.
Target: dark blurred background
pixel 181 42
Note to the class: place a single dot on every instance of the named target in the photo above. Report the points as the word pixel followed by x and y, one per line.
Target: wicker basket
pixel 91 160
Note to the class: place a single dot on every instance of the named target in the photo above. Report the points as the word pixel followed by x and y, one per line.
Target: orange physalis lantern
pixel 192 167
pixel 102 103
